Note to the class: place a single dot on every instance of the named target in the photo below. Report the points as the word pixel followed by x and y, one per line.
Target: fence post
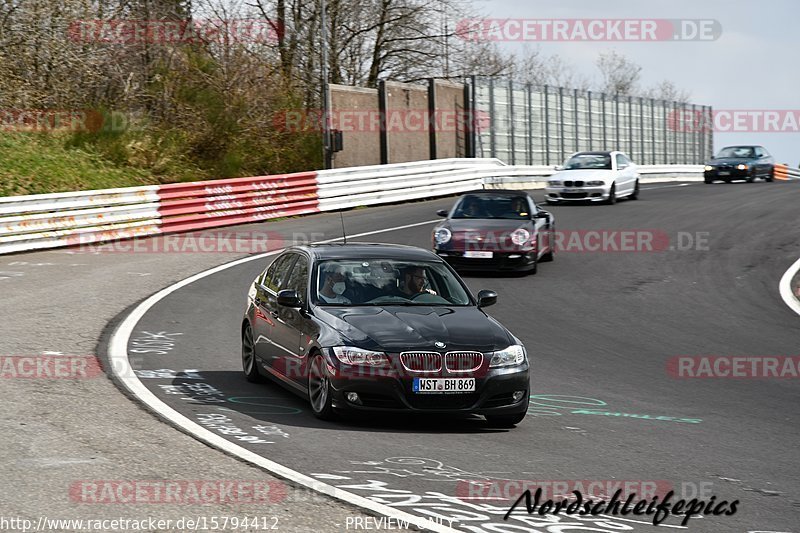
pixel 382 105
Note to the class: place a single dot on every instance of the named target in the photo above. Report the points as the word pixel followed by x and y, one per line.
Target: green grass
pixel 35 163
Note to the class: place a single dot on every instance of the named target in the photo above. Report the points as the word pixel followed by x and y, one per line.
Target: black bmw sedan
pixel 740 163
pixel 495 230
pixel 384 328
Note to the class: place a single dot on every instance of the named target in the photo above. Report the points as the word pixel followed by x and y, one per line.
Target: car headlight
pixel 554 183
pixel 442 235
pixel 596 183
pixel 520 236
pixel 350 355
pixel 511 356
pixel 708 167
pixel 741 167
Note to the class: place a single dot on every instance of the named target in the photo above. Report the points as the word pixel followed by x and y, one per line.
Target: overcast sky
pixel 754 65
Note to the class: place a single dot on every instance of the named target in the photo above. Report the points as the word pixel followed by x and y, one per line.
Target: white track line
pixel 121 368
pixel 785 287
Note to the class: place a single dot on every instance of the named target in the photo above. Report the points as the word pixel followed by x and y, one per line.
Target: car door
pixel 625 179
pixel 266 324
pixel 294 328
pixel 543 227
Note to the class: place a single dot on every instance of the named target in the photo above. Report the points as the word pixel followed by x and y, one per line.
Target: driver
pixel 414 282
pixel 519 207
pixel 332 291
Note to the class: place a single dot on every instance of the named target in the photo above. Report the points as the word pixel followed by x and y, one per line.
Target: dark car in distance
pixel 740 163
pixel 381 328
pixel 495 230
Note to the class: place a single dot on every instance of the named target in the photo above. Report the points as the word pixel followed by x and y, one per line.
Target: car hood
pixel 586 174
pixel 401 328
pixel 486 224
pixel 730 161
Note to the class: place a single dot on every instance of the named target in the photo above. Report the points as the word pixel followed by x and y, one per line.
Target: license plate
pixel 474 254
pixel 443 385
pixel 571 190
pixel 724 173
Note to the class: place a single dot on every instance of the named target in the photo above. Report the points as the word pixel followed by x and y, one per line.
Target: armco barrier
pixel 783 172
pixel 82 217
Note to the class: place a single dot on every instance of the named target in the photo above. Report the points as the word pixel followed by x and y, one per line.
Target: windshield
pixel 593 161
pixel 736 151
pixel 362 282
pixel 503 206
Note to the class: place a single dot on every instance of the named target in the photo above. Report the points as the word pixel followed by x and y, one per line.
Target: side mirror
pixel 558 167
pixel 541 214
pixel 442 212
pixel 622 167
pixel 289 298
pixel 486 298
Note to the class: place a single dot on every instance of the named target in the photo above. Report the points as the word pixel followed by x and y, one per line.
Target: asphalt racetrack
pixel 604 330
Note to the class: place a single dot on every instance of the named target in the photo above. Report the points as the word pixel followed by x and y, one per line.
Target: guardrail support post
pixel 382 120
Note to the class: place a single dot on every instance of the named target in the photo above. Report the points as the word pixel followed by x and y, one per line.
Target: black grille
pixel 379 400
pixel 573 195
pixel 463 361
pixel 570 183
pixel 421 361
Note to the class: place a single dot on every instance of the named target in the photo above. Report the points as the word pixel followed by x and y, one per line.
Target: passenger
pixel 334 285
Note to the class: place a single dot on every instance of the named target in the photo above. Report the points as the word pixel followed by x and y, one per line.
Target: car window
pixel 379 281
pixel 621 161
pixel 503 206
pixel 298 277
pixel 278 270
pixel 588 161
pixel 764 152
pixel 736 151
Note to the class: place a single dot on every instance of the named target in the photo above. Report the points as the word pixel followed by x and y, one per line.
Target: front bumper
pixel 393 393
pixel 513 261
pixel 577 194
pixel 726 174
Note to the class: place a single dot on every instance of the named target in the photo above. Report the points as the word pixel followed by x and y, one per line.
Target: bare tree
pixel 619 75
pixel 667 90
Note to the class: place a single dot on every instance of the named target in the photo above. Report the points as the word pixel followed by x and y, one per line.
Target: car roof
pixel 608 152
pixel 512 192
pixel 742 146
pixel 370 250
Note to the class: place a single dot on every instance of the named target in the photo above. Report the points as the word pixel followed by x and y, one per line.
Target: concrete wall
pixel 450 119
pixel 355 112
pixel 406 122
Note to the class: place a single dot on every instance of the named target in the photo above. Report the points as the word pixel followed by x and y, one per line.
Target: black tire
pixel 708 180
pixel 612 195
pixel 771 175
pixel 249 362
pixel 504 421
pixel 752 177
pixel 319 388
pixel 635 194
pixel 551 202
pixel 727 180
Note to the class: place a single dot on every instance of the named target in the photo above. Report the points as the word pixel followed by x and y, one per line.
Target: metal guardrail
pixel 83 217
pixel 783 172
